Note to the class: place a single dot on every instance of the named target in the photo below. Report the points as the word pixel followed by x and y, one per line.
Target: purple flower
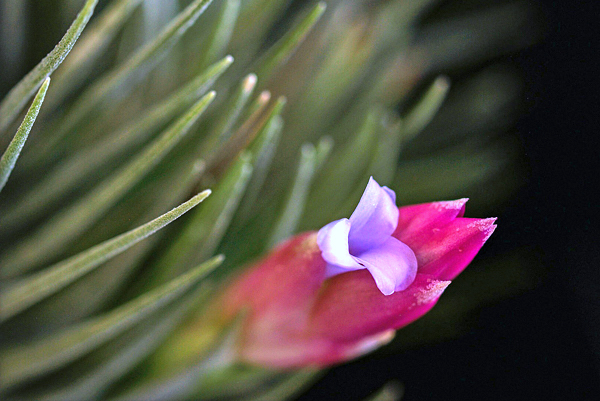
pixel 300 311
pixel 365 242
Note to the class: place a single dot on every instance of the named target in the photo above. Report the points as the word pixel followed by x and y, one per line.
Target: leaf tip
pixel 282 100
pixel 45 83
pixel 442 83
pixel 250 82
pixel 264 96
pixel 205 194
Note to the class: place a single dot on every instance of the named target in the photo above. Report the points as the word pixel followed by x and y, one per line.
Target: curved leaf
pixel 10 156
pixel 289 217
pixel 49 240
pixel 22 92
pixel 108 364
pixel 90 47
pixel 286 46
pixel 427 107
pixel 204 231
pixel 65 178
pixel 27 361
pixel 26 292
pixel 101 90
pixel 222 33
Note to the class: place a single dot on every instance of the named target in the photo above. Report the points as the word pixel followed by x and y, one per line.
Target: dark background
pixel 545 343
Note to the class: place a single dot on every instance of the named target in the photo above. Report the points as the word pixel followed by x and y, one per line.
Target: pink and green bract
pixel 306 308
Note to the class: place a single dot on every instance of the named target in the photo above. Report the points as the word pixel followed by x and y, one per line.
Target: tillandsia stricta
pixel 284 109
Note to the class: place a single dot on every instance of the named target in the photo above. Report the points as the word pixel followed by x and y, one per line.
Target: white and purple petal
pixel 333 242
pixel 393 265
pixel 374 219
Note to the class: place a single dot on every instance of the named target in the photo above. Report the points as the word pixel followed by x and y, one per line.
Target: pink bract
pixel 299 317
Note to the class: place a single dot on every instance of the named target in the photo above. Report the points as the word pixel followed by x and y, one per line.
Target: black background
pixel 545 343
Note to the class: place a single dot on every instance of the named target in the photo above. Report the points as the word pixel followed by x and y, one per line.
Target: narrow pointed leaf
pixel 255 20
pixel 341 173
pixel 111 362
pixel 135 67
pixel 262 150
pixel 12 104
pixel 230 115
pixel 92 43
pixel 223 31
pixel 234 382
pixel 66 177
pixel 290 215
pixel 26 292
pixel 246 133
pixel 286 46
pixel 10 156
pixel 183 363
pixel 50 239
pixel 24 362
pixel 427 107
pixel 384 159
pixel 204 231
pixel 164 193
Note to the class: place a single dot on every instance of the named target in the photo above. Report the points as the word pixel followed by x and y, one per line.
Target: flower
pixel 303 309
pixel 365 241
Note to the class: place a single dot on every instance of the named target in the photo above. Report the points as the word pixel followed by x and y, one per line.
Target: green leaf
pixel 92 377
pixel 229 116
pixel 22 92
pixel 141 205
pixel 452 172
pixel 49 240
pixel 92 43
pixel 247 132
pixel 289 217
pixel 384 160
pixel 222 33
pixel 69 174
pixel 204 230
pixel 285 47
pixel 427 107
pixel 26 292
pixel 178 369
pixel 115 80
pixel 262 149
pixel 10 156
pixel 341 174
pixel 255 20
pixel 23 362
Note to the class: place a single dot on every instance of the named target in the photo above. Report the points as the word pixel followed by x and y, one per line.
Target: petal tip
pixel 486 226
pixel 458 204
pixel 432 291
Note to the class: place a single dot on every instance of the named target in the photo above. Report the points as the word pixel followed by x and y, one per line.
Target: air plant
pixel 163 146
